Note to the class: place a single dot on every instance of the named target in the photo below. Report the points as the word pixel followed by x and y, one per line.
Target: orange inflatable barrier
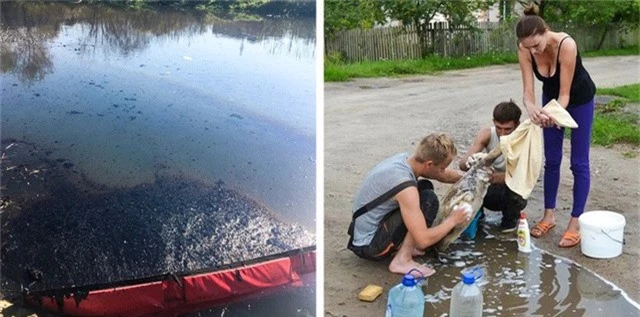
pixel 173 294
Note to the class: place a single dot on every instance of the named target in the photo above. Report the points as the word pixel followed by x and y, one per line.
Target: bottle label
pixel 521 238
pixel 524 244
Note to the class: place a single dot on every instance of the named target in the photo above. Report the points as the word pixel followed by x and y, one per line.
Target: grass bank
pixel 337 70
pixel 618 121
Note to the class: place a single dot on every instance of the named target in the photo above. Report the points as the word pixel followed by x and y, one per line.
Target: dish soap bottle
pixel 524 239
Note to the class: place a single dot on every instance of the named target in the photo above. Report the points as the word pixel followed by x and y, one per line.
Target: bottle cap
pixel 468 278
pixel 408 280
pixel 523 215
pixel 472 274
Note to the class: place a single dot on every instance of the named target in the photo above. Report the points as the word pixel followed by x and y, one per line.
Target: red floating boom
pixel 173 294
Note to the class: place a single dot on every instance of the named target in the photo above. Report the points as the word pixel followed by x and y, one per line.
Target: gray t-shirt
pixel 494 142
pixel 383 177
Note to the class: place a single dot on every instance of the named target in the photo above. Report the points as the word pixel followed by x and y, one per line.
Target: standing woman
pixel 554 59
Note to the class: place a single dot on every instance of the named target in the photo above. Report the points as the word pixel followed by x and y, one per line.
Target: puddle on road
pixel 519 284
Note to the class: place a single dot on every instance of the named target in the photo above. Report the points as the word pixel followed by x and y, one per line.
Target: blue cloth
pixel 472 229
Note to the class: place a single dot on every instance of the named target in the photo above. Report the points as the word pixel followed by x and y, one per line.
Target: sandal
pixel 572 237
pixel 541 228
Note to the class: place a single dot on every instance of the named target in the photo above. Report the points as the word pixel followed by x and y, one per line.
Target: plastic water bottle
pixel 466 297
pixel 406 299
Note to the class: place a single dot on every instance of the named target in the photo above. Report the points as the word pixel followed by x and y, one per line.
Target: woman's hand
pixel 539 117
pixel 549 123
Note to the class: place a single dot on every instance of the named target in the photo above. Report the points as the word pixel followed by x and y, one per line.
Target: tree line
pixel 301 8
pixel 341 15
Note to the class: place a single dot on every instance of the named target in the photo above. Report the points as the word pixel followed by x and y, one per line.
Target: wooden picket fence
pixel 408 42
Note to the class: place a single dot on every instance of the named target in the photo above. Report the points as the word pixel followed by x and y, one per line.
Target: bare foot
pixel 574 224
pixel 417 252
pixel 549 216
pixel 571 237
pixel 401 267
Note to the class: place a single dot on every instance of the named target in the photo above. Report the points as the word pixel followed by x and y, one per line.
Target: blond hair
pixel 436 147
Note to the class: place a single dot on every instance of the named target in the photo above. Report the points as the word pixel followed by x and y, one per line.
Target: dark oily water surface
pixel 88 235
pixel 520 284
pixel 140 142
pixel 210 99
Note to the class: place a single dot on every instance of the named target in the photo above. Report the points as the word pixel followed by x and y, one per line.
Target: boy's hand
pixel 459 214
pixel 497 178
pixel 474 158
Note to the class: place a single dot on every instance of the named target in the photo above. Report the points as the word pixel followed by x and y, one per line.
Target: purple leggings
pixel 580 143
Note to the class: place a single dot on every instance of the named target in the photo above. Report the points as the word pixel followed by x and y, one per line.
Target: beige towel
pixel 522 150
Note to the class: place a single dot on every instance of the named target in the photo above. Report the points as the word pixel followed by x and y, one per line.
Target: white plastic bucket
pixel 602 234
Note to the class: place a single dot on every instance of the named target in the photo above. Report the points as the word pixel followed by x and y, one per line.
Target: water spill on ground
pixel 520 284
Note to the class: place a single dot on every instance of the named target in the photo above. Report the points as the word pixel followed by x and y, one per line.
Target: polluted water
pixel 133 148
pixel 521 284
pixel 62 234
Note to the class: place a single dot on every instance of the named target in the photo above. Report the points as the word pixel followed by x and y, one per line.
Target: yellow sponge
pixel 370 293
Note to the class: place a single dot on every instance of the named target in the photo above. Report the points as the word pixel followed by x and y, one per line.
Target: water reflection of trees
pixel 24 54
pixel 23 49
pixel 26 28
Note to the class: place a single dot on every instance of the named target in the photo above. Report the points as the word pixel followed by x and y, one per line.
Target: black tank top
pixel 582 87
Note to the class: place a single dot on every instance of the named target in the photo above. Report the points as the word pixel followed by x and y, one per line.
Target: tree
pixel 340 15
pixel 351 14
pixel 506 9
pixel 421 12
pixel 620 14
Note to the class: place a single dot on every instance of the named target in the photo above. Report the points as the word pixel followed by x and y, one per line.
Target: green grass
pixel 631 92
pixel 336 70
pixel 611 128
pixel 619 120
pixel 631 50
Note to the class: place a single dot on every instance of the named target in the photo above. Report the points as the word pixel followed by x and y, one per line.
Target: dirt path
pixel 366 120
